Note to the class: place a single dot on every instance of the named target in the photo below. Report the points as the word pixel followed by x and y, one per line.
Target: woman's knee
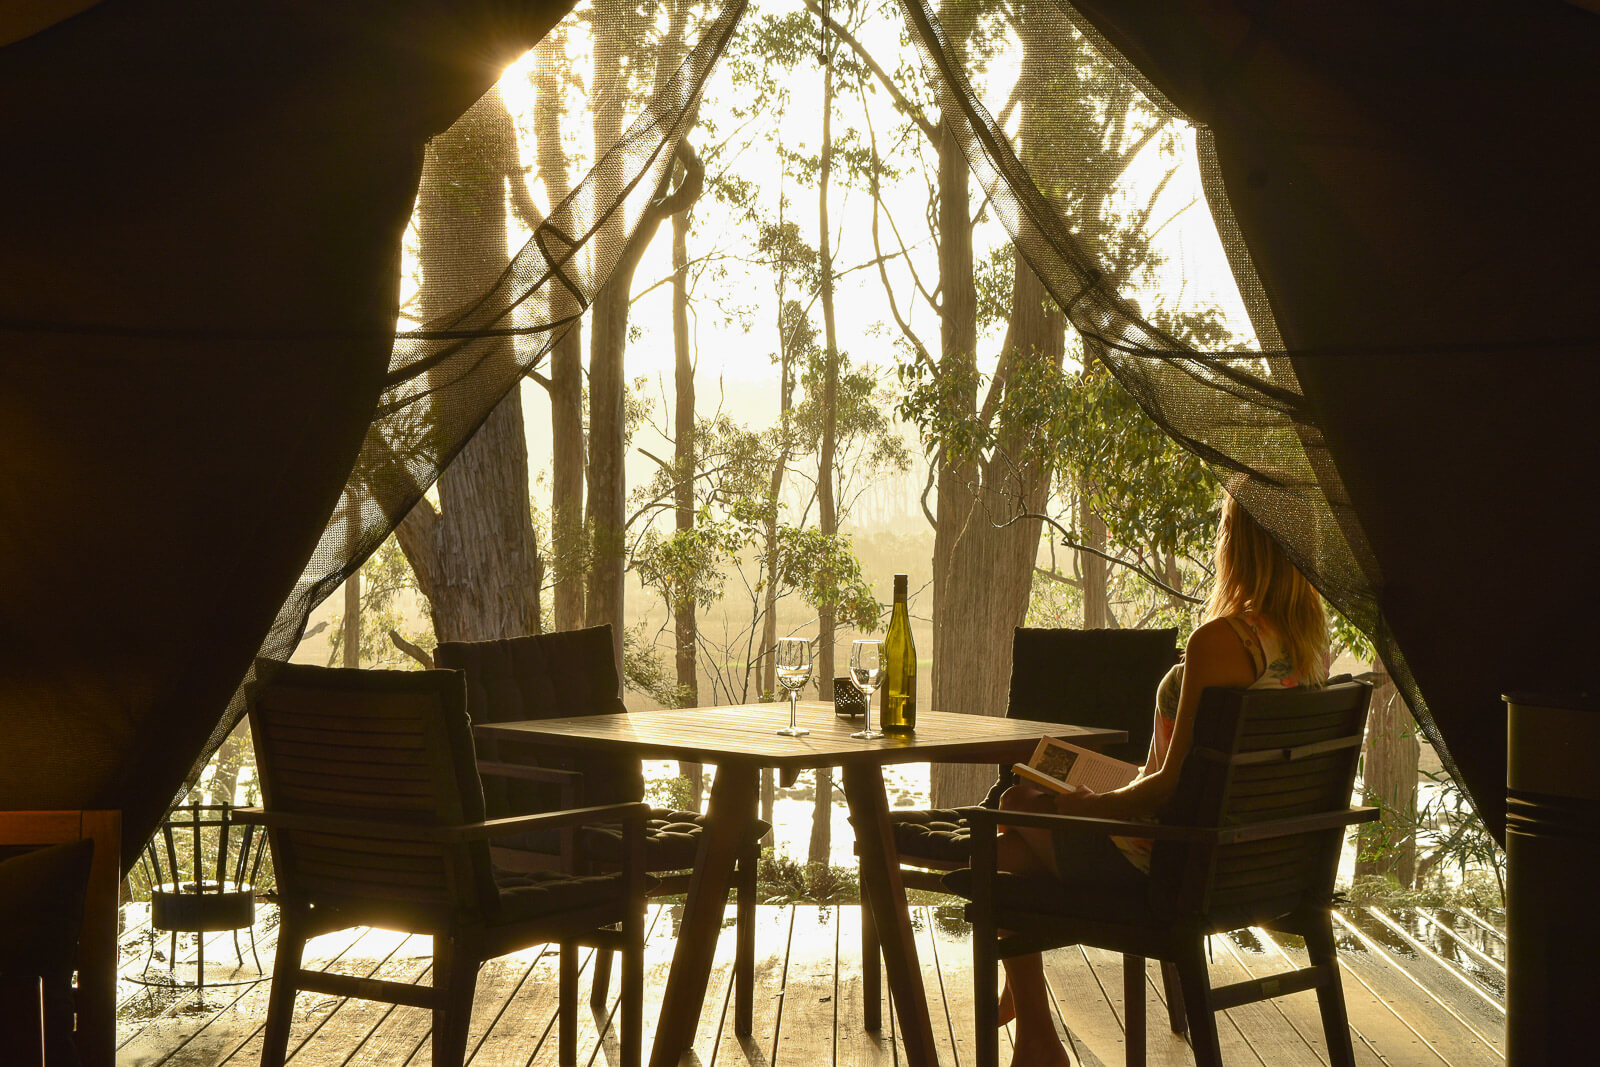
pixel 1020 798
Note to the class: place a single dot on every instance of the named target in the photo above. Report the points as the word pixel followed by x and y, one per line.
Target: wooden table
pixel 741 741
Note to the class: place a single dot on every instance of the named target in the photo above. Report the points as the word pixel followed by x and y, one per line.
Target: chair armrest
pixel 980 816
pixel 1219 835
pixel 552 775
pixel 443 835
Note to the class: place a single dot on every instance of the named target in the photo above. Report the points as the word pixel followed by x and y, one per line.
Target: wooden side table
pixel 96 999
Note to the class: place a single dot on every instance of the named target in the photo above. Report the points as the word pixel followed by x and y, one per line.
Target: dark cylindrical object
pixel 1552 875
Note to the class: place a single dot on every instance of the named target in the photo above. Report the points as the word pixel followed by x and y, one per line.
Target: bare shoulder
pixel 1216 656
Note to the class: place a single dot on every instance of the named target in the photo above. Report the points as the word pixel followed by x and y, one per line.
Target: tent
pixel 198 276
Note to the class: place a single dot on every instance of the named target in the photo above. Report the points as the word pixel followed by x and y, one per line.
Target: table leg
pixel 884 891
pixel 732 807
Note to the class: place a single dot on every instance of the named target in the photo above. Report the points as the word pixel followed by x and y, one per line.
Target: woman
pixel 1265 628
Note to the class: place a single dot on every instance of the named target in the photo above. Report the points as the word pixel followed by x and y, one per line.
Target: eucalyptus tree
pixel 475 555
pixel 626 52
pixel 1011 447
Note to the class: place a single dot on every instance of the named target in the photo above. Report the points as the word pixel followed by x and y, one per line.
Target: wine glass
pixel 794 668
pixel 866 670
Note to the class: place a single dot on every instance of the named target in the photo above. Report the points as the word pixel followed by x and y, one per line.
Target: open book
pixel 1067 768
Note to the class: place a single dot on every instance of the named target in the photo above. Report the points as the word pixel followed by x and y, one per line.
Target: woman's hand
pixel 1079 802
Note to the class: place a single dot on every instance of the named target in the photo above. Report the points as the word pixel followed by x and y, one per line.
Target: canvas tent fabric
pixel 203 214
pixel 209 420
pixel 1410 183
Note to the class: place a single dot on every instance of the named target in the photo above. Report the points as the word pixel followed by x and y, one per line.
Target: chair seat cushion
pixel 672 839
pixel 936 834
pixel 1100 902
pixel 532 894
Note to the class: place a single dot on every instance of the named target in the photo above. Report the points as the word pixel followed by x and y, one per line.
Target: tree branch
pixel 1058 577
pixel 883 273
pixel 416 653
pixel 912 112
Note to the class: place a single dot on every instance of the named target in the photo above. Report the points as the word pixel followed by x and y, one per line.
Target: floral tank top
pixel 1274 670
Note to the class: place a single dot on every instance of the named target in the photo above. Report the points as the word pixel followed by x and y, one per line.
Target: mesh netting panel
pixel 487 322
pixel 1234 401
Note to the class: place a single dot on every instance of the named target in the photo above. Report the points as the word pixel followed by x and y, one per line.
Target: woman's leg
pixel 1026 996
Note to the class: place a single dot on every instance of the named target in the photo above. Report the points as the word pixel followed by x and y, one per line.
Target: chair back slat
pixel 379 746
pixel 1105 678
pixel 544 676
pixel 1280 874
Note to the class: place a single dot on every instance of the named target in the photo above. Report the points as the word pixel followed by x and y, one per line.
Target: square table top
pixel 748 732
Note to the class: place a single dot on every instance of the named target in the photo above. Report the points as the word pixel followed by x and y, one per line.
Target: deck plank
pixel 180 1038
pixel 366 951
pixel 354 1020
pixel 806 1026
pixel 1390 979
pixel 1262 1025
pixel 1468 991
pixel 540 1043
pixel 717 1014
pixel 773 925
pixel 922 930
pixel 1258 956
pixel 1093 1023
pixel 1377 1021
pixel 141 1001
pixel 659 942
pixel 808 1005
pixel 525 1019
pixel 853 1044
pixel 1162 1046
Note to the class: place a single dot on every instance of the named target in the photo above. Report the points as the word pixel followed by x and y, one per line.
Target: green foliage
pixel 1454 847
pixel 1345 637
pixel 1478 891
pixel 386 579
pixel 643 671
pixel 825 571
pixel 1153 495
pixel 675 794
pixel 686 566
pixel 781 880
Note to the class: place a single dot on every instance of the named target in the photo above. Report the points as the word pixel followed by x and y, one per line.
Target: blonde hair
pixel 1253 575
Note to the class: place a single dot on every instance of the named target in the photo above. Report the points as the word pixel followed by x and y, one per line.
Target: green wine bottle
pixel 899 707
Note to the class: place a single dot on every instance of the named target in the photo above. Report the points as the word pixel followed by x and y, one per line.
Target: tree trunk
pixel 350 640
pixel 607 477
pixel 566 369
pixel 828 518
pixel 1389 781
pixel 608 340
pixel 1094 569
pixel 988 573
pixel 983 572
pixel 475 558
pixel 957 640
pixel 683 612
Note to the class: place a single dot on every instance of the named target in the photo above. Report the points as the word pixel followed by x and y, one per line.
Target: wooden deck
pixel 1422 987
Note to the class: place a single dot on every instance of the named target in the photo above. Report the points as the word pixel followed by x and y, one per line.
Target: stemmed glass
pixel 866 670
pixel 794 668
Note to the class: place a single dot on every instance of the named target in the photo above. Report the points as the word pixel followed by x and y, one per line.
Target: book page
pixel 1063 766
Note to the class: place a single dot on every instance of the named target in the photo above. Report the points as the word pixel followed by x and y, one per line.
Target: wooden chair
pixel 1104 678
pixel 1252 837
pixel 375 815
pixel 570 673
